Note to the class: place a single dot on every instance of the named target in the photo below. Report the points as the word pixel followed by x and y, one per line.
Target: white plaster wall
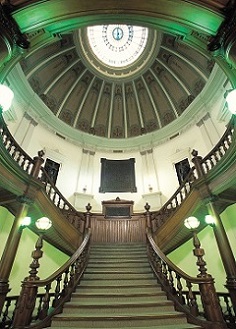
pixel 80 166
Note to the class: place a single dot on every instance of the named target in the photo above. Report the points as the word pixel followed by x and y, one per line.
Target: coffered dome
pixel 117 81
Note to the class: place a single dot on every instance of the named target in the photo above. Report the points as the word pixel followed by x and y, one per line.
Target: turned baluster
pixel 192 302
pixel 57 292
pixel 45 303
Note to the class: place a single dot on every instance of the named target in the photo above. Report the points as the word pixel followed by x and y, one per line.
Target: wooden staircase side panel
pixel 173 232
pixel 115 230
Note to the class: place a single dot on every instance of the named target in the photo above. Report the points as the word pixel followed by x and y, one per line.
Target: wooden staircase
pixel 118 290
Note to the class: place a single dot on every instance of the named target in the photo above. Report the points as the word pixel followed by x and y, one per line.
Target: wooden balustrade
pixel 14 150
pixel 201 167
pixel 33 167
pixel 174 280
pixel 225 303
pixel 62 282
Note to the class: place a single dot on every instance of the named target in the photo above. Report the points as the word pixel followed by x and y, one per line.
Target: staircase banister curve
pixel 225 137
pixel 27 164
pixel 171 277
pixel 63 282
pixel 65 266
pixel 172 266
pixel 46 180
pixel 206 164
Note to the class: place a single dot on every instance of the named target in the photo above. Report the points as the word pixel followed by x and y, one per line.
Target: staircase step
pixel 135 298
pixel 118 290
pixel 117 308
pixel 119 321
pixel 171 326
pixel 127 257
pixel 101 263
pixel 117 275
pixel 121 246
pixel 117 282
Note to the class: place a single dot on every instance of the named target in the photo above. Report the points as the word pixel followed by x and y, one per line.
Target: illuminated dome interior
pixel 117 81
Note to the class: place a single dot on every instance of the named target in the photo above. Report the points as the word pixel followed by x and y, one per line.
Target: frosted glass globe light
pixel 231 101
pixel 6 97
pixel 191 223
pixel 210 220
pixel 43 223
pixel 26 221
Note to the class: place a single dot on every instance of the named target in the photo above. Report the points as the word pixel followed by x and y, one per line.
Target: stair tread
pixel 144 294
pixel 99 316
pixel 162 326
pixel 103 304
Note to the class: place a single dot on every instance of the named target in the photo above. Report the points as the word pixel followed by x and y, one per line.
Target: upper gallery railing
pixel 33 167
pixel 202 166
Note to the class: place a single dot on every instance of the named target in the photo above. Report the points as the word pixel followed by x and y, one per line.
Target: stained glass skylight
pixel 117 45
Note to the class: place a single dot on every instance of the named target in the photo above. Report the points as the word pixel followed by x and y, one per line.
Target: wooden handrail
pixel 201 167
pixel 33 167
pixel 176 269
pixel 65 280
pixel 171 277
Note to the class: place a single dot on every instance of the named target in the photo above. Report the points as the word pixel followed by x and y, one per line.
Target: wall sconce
pixel 210 220
pixel 6 97
pixel 230 97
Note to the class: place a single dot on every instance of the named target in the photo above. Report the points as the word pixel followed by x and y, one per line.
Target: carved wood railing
pixel 33 167
pixel 10 305
pixel 225 303
pixel 202 166
pixel 173 281
pixel 63 282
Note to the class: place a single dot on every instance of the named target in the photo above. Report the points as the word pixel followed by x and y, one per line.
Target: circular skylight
pixel 117 45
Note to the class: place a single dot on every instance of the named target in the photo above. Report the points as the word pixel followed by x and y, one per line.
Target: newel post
pixel 88 216
pixel 209 297
pixel 27 298
pixel 148 215
pixel 197 161
pixel 38 161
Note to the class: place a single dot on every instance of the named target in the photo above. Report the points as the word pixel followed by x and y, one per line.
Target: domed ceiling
pixel 139 81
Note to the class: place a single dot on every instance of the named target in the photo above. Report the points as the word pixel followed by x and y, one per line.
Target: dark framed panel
pixel 182 169
pixel 117 176
pixel 117 208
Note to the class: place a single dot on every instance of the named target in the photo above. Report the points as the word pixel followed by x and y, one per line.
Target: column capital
pixel 24 199
pixel 224 43
pixel 8 23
